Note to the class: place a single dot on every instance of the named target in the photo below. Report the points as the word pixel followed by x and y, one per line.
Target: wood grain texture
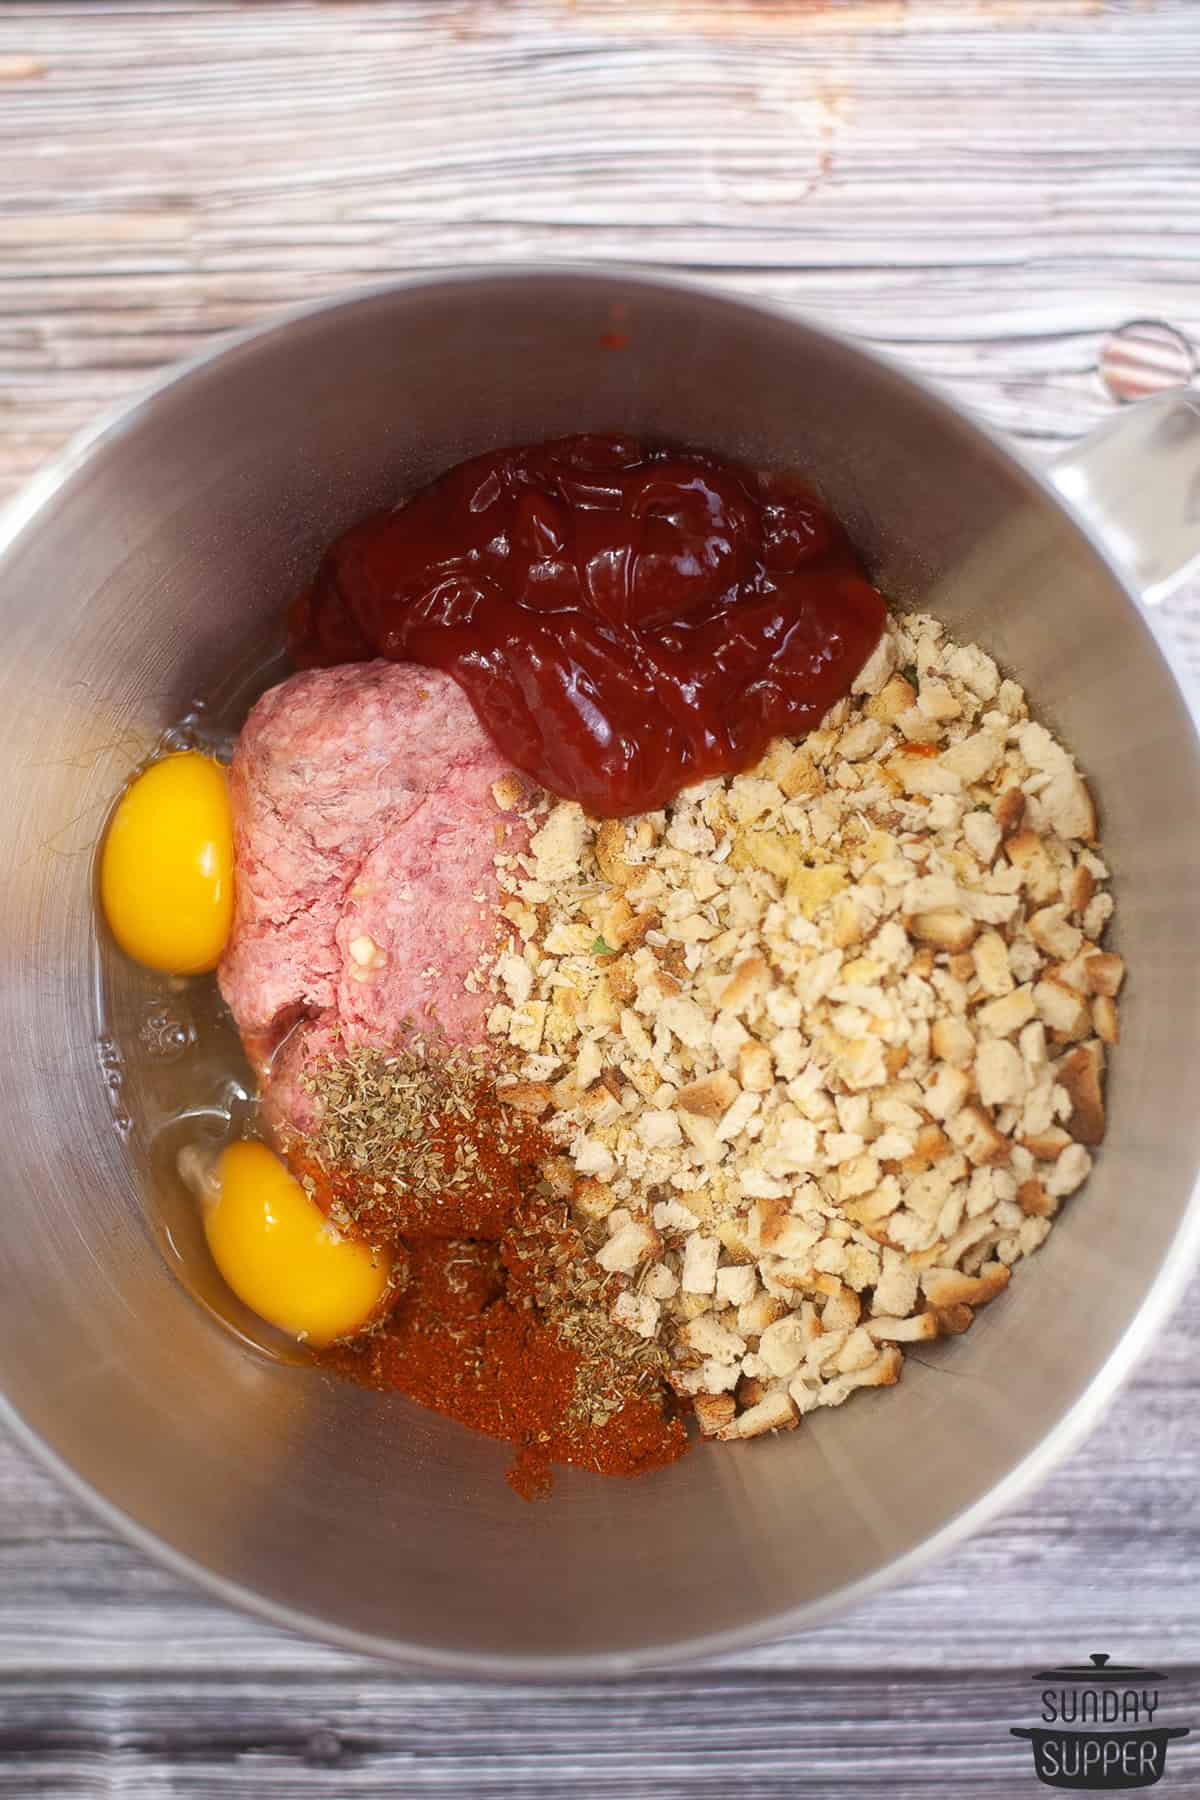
pixel 985 187
pixel 707 1736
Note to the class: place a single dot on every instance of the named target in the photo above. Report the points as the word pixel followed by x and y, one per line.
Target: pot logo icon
pixel 1099 1727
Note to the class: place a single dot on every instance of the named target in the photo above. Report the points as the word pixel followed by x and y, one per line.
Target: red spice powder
pixel 456 1342
pixel 502 1320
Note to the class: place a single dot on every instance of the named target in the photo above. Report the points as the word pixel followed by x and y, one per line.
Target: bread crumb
pixel 823 1044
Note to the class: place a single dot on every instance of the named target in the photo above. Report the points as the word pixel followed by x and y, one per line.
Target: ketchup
pixel 625 620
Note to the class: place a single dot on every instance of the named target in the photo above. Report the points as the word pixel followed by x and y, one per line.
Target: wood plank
pixel 992 204
pixel 775 1737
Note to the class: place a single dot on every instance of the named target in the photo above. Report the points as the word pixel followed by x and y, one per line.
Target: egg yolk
pixel 282 1256
pixel 166 869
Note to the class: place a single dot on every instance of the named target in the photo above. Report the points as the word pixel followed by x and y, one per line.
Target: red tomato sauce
pixel 625 620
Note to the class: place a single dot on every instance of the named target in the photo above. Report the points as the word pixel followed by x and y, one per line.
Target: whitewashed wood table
pixel 985 187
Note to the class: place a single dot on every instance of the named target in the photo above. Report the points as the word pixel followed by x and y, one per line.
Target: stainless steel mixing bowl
pixel 149 560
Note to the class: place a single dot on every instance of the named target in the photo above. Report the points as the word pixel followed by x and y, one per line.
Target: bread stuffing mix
pixel 822 1044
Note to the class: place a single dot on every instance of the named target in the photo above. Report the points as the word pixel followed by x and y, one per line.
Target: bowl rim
pixel 1161 1297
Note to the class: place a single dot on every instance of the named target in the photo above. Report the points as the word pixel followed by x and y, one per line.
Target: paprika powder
pixel 502 1317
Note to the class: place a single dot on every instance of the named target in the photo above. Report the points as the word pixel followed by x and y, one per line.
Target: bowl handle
pixel 1135 481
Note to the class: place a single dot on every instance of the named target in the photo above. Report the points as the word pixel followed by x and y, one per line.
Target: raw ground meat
pixel 362 809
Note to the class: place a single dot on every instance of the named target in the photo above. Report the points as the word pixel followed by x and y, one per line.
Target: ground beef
pixel 363 814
